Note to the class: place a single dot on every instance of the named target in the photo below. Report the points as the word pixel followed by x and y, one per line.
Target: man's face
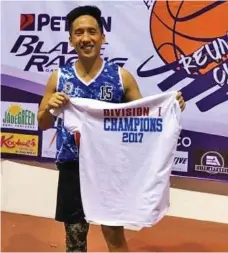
pixel 86 37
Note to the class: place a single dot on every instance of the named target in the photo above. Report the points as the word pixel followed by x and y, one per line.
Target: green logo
pixel 16 116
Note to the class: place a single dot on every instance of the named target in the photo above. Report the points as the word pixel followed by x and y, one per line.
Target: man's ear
pixel 103 39
pixel 70 41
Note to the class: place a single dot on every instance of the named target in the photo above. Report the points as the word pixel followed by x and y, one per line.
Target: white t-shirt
pixel 126 156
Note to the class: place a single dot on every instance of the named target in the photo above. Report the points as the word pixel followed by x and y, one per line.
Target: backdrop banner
pixel 166 45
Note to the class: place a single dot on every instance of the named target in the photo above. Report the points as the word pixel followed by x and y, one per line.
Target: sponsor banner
pixel 34 49
pixel 20 144
pixel 19 116
pixel 169 46
pixel 205 159
pixel 49 143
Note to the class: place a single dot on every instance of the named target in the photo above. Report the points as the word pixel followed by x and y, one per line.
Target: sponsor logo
pixel 27 22
pixel 212 162
pixel 180 163
pixel 19 144
pixel 38 22
pixel 19 116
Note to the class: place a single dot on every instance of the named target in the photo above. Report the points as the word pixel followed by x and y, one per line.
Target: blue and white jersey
pixel 105 86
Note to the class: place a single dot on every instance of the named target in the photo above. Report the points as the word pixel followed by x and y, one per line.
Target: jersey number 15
pixel 106 93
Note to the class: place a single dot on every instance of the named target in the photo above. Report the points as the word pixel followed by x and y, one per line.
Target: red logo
pixel 11 142
pixel 27 22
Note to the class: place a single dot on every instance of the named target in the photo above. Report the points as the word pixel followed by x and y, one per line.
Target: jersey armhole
pixel 121 80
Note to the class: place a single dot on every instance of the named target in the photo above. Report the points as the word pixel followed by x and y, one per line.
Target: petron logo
pixel 193 46
pixel 33 22
pixel 42 56
pixel 212 162
pixel 27 22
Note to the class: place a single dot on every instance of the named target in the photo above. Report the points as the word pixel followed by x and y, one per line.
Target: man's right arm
pixel 45 119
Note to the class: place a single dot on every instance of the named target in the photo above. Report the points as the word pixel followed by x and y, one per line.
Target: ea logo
pixel 212 158
pixel 212 162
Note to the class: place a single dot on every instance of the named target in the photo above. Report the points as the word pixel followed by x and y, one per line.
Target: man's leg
pixel 69 208
pixel 115 239
pixel 76 236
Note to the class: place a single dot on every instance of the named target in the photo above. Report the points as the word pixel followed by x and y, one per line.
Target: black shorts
pixel 69 204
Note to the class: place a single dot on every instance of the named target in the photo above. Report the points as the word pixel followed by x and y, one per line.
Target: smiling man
pixel 89 77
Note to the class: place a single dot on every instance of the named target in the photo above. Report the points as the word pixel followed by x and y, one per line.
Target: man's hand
pixel 57 100
pixel 180 100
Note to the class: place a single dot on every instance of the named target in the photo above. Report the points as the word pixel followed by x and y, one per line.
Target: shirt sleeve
pixel 72 116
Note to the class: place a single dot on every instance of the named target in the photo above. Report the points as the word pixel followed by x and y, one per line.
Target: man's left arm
pixel 131 87
pixel 132 91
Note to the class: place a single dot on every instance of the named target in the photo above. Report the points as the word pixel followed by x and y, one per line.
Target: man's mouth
pixel 87 47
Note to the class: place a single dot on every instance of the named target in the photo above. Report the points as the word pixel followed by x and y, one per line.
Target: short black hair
pixel 90 10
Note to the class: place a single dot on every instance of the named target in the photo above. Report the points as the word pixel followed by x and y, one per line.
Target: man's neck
pixel 89 67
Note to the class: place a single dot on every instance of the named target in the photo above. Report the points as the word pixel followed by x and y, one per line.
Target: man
pixel 89 77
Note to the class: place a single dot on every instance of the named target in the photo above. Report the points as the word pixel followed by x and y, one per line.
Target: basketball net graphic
pixel 191 37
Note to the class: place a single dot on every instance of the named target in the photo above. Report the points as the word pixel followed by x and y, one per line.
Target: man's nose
pixel 85 37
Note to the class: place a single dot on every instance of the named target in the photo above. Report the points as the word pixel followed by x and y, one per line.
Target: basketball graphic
pixel 191 38
pixel 183 27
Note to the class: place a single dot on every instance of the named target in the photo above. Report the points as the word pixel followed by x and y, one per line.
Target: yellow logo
pixel 20 144
pixel 14 109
